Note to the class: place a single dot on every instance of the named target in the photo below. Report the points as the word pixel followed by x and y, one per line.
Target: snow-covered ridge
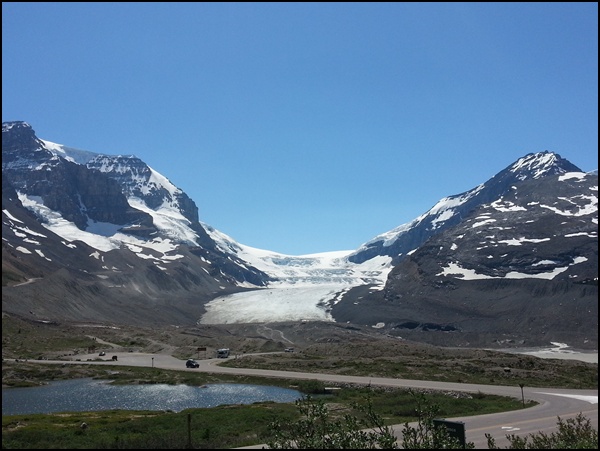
pixel 330 268
pixel 305 270
pixel 101 236
pixel 69 153
pixel 145 180
pixel 442 211
pixel 448 210
pixel 308 270
pixel 138 179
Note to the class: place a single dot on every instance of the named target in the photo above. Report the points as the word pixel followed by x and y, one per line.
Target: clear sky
pixel 308 127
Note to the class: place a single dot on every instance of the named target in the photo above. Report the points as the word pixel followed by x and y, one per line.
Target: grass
pixel 244 425
pixel 218 427
pixel 370 357
pixel 484 367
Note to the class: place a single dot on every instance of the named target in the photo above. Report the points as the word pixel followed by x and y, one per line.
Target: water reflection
pixel 82 395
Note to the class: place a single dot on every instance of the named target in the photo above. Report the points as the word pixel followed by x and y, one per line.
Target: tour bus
pixel 222 353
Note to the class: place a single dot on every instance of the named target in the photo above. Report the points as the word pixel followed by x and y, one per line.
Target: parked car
pixel 102 354
pixel 289 349
pixel 191 363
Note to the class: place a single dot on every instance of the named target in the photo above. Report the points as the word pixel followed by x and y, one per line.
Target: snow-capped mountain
pixel 94 237
pixel 116 208
pixel 522 268
pixel 449 211
pixel 515 257
pixel 110 224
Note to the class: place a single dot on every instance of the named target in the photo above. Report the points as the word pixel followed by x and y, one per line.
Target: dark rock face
pixel 543 228
pixel 136 179
pixel 76 192
pixel 23 147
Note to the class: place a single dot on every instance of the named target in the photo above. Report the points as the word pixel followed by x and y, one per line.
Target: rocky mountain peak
pixel 449 211
pixel 541 164
pixel 18 127
pixel 21 149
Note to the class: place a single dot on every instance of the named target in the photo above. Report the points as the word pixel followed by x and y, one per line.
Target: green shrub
pixel 572 433
pixel 365 429
pixel 311 387
pixel 316 429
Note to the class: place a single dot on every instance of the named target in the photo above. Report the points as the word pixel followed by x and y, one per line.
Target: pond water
pixel 82 395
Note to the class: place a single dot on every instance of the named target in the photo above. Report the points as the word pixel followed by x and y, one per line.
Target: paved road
pixel 553 403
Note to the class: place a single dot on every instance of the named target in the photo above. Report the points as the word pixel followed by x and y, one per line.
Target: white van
pixel 222 353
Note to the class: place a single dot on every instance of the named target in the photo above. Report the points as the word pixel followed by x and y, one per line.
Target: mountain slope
pixel 520 269
pixel 477 272
pixel 451 210
pixel 104 238
pixel 99 238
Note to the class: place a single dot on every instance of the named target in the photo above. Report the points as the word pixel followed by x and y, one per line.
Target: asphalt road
pixel 553 403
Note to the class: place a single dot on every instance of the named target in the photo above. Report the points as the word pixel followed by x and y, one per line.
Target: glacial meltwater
pixel 81 395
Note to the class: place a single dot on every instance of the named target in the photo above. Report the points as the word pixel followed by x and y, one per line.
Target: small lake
pixel 83 395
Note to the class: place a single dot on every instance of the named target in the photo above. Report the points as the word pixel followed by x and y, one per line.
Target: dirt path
pixel 161 348
pixel 270 333
pixel 103 342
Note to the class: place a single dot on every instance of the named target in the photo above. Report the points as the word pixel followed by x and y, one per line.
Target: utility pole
pixel 189 429
pixel 522 395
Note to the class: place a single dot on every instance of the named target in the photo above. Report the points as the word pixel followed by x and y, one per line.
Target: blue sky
pixel 309 127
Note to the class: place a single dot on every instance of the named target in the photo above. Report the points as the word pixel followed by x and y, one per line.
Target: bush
pixel 426 435
pixel 312 387
pixel 317 430
pixel 573 433
pixel 364 429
